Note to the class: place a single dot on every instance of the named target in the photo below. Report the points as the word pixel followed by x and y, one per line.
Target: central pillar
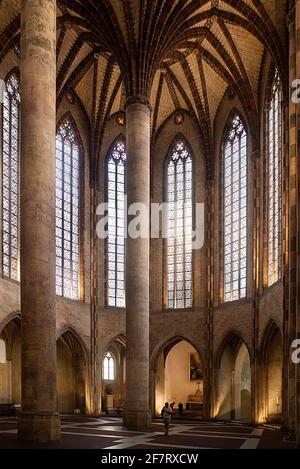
pixel 137 407
pixel 39 421
pixel 297 386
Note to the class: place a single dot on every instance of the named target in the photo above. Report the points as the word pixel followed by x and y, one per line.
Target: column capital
pixel 138 99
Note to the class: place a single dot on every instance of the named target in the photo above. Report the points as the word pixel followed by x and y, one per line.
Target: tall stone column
pixel 255 390
pixel 209 385
pixel 39 420
pixel 297 387
pixel 290 280
pixel 137 406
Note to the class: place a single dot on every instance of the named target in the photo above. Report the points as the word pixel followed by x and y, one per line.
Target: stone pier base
pixel 133 419
pixel 39 428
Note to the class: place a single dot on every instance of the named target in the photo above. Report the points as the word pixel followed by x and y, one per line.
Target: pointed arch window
pixel 235 211
pixel 115 171
pixel 109 367
pixel 67 211
pixel 274 175
pixel 179 195
pixel 10 177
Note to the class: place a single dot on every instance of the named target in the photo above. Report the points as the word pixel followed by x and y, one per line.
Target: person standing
pixel 166 415
pixel 180 409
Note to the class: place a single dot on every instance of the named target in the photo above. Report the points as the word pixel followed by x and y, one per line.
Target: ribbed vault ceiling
pixel 182 54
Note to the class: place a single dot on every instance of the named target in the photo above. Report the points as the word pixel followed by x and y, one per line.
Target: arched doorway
pixel 272 363
pixel 179 377
pixel 71 374
pixel 10 366
pixel 234 383
pixel 113 376
pixel 242 384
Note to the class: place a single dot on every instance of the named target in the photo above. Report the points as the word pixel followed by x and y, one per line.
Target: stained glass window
pixel 67 212
pixel 10 178
pixel 108 367
pixel 180 220
pixel 235 212
pixel 274 181
pixel 116 167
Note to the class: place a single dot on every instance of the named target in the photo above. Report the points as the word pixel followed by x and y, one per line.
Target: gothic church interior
pixel 189 103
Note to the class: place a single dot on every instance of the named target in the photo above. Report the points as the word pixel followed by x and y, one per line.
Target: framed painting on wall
pixel 195 369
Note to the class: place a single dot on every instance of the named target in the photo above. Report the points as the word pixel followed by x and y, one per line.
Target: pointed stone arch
pixel 233 378
pixel 113 392
pixel 270 331
pixel 74 341
pixel 72 371
pixel 14 317
pixel 168 342
pixel 10 370
pixel 271 373
pixel 159 366
pixel 236 338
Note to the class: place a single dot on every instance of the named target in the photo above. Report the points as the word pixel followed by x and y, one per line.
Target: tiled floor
pixel 88 432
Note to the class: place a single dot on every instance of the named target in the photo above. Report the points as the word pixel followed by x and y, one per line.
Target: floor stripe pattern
pixel 108 433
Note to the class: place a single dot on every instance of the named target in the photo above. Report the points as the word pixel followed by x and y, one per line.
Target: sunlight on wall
pixel 178 386
pixel 2 351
